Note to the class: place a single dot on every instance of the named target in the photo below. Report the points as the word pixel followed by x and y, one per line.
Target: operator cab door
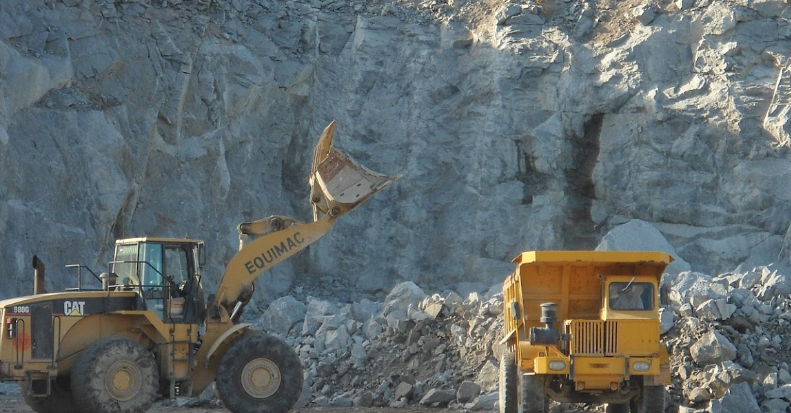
pixel 165 276
pixel 186 295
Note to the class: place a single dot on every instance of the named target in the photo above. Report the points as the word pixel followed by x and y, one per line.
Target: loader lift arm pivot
pixel 337 186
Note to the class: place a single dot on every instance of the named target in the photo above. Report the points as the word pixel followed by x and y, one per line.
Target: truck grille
pixel 593 337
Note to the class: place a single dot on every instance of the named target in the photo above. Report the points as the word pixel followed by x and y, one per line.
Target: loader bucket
pixel 337 183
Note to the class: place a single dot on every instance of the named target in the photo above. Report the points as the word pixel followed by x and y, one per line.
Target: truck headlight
pixel 557 365
pixel 641 366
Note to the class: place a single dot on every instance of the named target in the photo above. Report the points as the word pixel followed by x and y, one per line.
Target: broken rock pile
pixel 727 336
pixel 412 349
pixel 729 343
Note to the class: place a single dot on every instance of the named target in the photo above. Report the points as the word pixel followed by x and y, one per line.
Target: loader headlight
pixel 641 366
pixel 557 365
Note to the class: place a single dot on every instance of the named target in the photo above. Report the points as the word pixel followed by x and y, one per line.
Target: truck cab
pixel 583 327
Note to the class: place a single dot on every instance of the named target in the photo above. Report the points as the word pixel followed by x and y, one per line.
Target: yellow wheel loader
pixel 583 327
pixel 149 331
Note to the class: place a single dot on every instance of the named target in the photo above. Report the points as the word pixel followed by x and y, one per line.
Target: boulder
pixel 712 348
pixel 283 314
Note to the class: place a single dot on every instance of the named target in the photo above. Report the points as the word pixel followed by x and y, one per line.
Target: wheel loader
pixel 149 332
pixel 583 327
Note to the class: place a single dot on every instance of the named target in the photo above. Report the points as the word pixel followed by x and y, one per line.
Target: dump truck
pixel 583 327
pixel 150 332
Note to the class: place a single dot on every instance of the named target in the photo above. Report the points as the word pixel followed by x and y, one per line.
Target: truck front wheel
pixel 534 398
pixel 259 373
pixel 508 384
pixel 652 400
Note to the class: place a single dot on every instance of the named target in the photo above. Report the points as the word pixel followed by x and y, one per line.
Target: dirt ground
pixel 15 404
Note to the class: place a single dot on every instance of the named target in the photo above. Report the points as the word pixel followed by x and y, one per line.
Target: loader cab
pixel 166 274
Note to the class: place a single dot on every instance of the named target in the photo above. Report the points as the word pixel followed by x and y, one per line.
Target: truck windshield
pixel 631 296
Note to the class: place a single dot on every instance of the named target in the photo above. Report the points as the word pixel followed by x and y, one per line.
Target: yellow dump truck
pixel 583 327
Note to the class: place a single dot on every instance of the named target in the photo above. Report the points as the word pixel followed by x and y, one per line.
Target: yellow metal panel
pixel 599 366
pixel 541 365
pixel 593 256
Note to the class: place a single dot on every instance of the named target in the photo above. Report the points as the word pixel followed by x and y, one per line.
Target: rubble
pixel 727 341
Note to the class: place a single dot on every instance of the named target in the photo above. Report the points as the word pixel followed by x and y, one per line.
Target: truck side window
pixel 631 296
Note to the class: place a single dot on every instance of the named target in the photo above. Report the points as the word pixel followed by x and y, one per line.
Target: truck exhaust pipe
pixel 38 276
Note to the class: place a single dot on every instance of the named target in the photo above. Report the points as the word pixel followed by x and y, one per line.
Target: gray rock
pixel 775 405
pixel 283 314
pixel 399 300
pixel 712 348
pixel 739 399
pixel 403 390
pixel 437 397
pixel 782 392
pixel 365 310
pixel 666 320
pixel 483 402
pixel 644 14
pixel 684 4
pixel 316 312
pixel 467 392
pixel 638 235
pixel 365 399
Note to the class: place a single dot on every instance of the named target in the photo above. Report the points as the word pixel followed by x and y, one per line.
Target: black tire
pixel 617 408
pixel 60 399
pixel 259 373
pixel 652 400
pixel 509 400
pixel 115 375
pixel 534 398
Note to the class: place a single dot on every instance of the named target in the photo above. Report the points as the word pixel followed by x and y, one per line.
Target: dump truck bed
pixel 573 280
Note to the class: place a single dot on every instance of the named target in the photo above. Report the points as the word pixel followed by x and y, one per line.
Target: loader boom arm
pixel 337 186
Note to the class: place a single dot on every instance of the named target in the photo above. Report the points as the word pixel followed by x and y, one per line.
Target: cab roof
pixel 129 241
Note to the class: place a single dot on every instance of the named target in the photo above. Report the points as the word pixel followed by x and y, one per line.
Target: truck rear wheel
pixel 509 401
pixel 259 373
pixel 534 398
pixel 115 375
pixel 652 400
pixel 60 399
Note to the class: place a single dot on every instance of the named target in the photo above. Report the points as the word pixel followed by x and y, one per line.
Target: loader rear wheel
pixel 509 401
pixel 259 373
pixel 60 399
pixel 115 375
pixel 534 398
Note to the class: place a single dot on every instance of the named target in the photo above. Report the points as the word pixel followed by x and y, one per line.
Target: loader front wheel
pixel 259 373
pixel 509 402
pixel 115 375
pixel 60 399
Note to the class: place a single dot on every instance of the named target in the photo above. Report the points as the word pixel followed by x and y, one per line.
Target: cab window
pixel 631 296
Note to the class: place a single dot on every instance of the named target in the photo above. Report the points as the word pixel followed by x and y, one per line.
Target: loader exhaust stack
pixel 38 276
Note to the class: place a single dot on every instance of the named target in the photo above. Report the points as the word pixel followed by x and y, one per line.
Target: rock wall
pixel 517 126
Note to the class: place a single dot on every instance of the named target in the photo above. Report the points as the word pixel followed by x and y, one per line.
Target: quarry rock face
pixel 517 126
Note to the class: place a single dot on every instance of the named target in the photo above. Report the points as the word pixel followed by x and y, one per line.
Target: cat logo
pixel 74 308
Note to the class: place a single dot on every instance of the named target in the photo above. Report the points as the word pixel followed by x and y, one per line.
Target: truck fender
pixel 224 336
